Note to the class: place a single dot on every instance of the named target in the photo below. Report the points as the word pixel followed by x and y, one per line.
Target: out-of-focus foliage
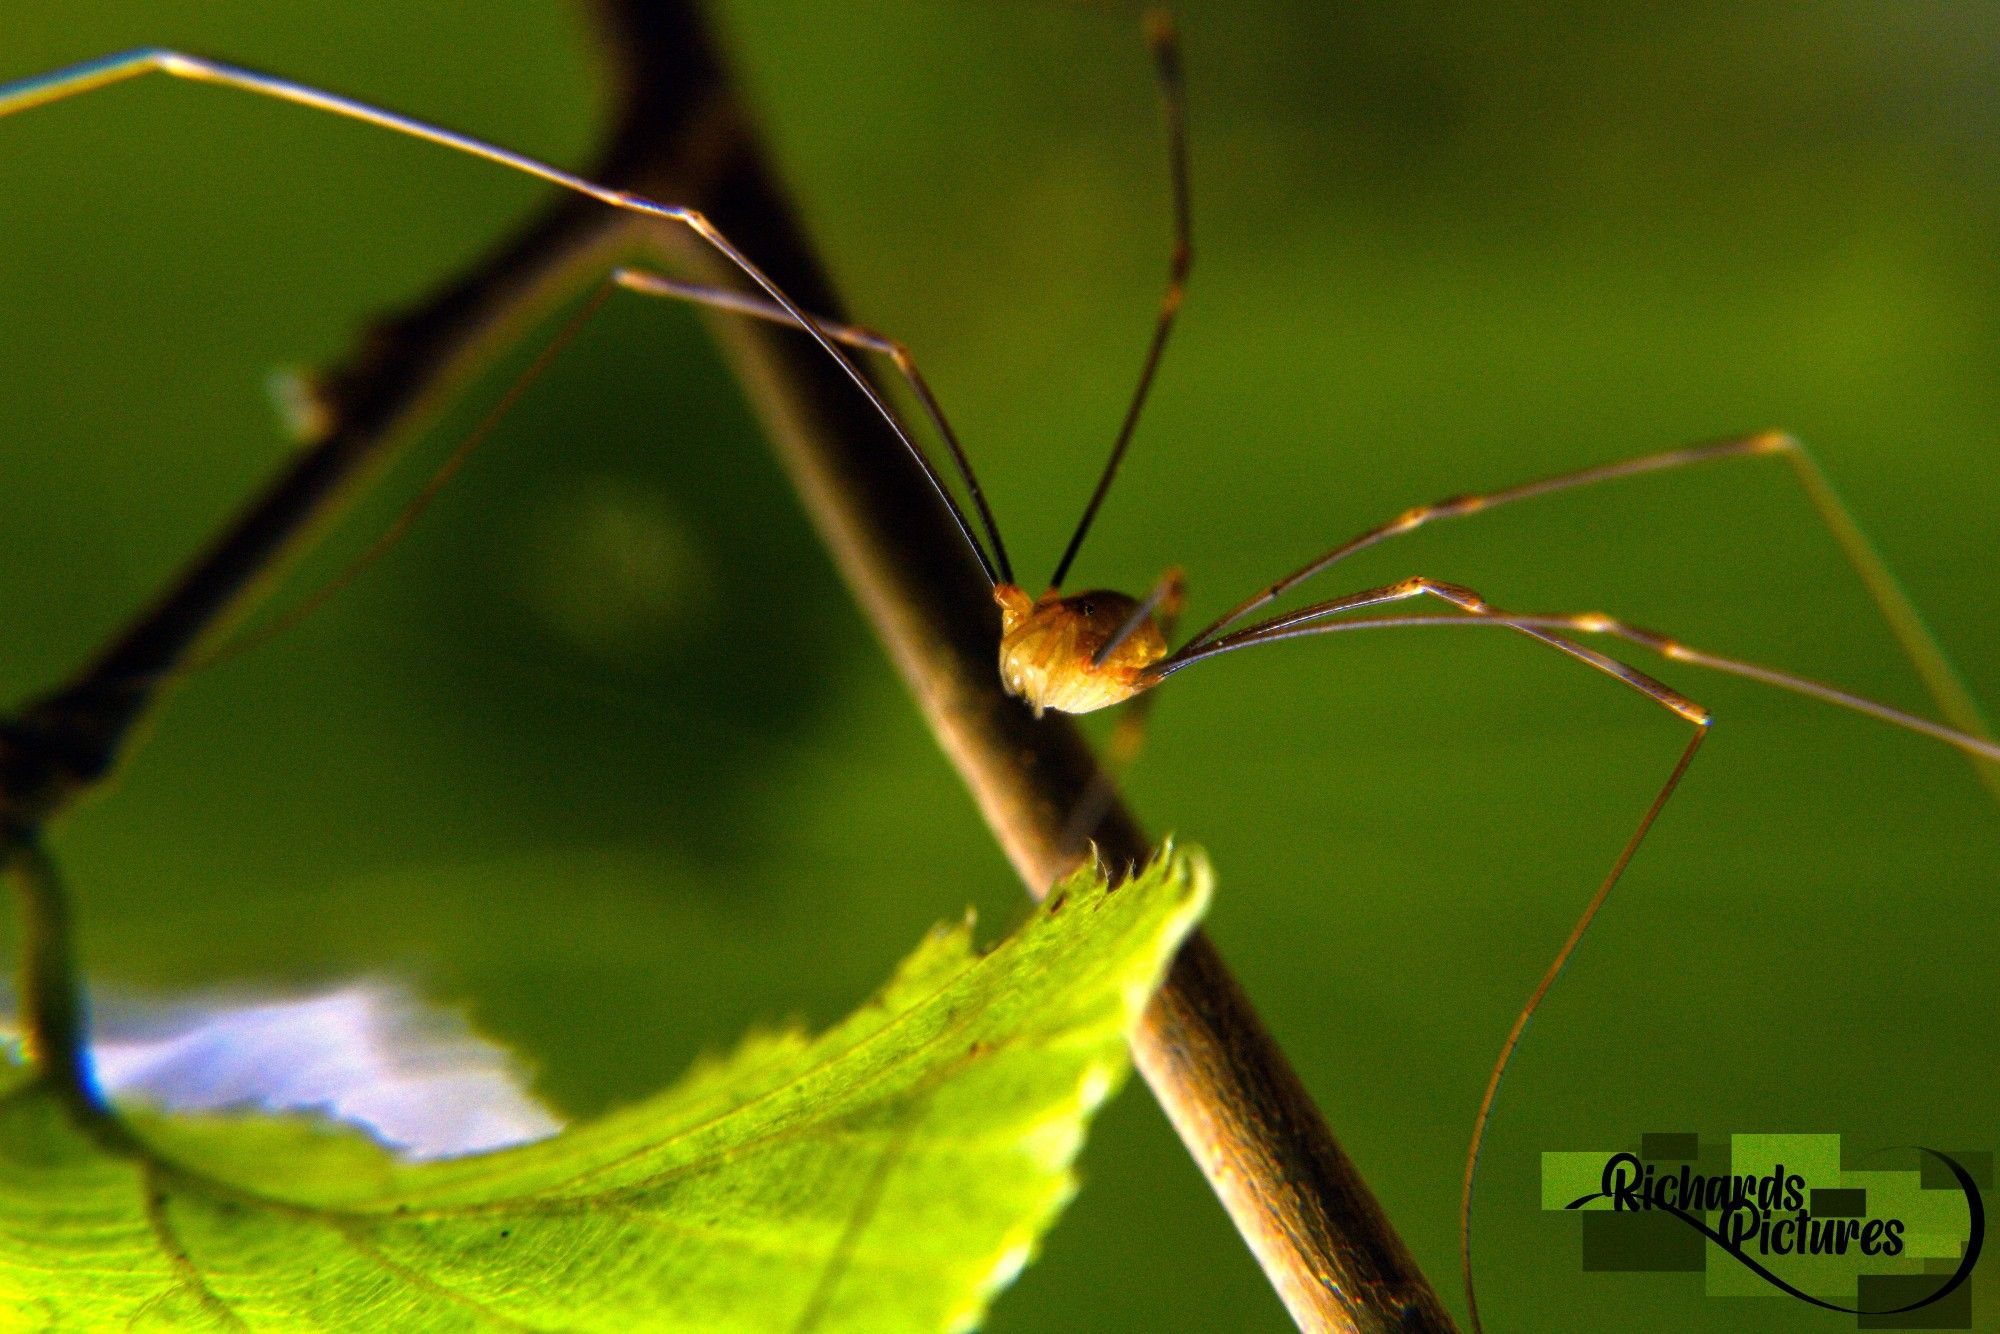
pixel 892 1173
pixel 1442 249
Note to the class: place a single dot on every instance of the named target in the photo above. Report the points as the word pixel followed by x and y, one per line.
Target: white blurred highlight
pixel 370 1054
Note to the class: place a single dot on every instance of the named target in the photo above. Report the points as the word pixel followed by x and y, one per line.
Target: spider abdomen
pixel 1048 646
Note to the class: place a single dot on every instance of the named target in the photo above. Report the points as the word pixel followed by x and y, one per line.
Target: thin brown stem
pixel 680 135
pixel 54 1025
pixel 1226 1086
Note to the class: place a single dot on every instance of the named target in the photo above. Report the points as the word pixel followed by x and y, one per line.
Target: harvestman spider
pixel 1090 650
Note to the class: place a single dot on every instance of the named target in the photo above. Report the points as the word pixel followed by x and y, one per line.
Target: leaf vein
pixel 153 1192
pixel 349 1233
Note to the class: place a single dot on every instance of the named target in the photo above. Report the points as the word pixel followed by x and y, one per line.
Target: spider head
pixel 1047 647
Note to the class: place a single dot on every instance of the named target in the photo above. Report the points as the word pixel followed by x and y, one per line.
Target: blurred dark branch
pixel 680 135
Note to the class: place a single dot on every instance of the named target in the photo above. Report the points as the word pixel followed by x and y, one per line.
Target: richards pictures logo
pixel 1890 1238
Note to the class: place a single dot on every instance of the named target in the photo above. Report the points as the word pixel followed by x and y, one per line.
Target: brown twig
pixel 681 136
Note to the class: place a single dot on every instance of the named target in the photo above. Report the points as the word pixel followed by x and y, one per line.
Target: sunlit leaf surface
pixel 892 1173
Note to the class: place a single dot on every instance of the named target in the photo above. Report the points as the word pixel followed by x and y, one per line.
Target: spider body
pixel 1050 648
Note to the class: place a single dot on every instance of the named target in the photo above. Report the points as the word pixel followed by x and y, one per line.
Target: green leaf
pixel 893 1173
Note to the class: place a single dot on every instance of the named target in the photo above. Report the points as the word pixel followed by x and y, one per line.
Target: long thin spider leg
pixel 636 280
pixel 1315 620
pixel 1455 507
pixel 1527 1014
pixel 406 517
pixel 1310 621
pixel 1161 36
pixel 1169 595
pixel 648 283
pixel 1595 623
pixel 1919 645
pixel 89 76
pixel 1479 612
pixel 1913 634
pixel 1168 598
pixel 1128 734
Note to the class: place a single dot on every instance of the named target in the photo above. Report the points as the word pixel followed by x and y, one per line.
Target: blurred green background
pixel 603 753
